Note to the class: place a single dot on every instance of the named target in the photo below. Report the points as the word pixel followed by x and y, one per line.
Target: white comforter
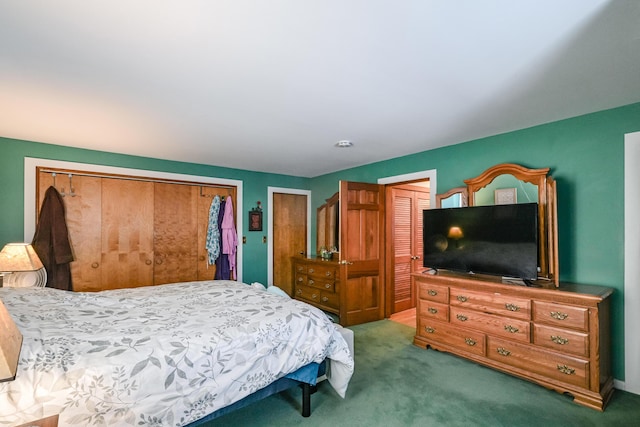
pixel 164 355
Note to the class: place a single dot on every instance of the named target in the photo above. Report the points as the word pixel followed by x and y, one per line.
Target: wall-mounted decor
pixel 255 218
pixel 506 196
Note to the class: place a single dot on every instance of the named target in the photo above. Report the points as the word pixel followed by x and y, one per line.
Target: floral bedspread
pixel 162 356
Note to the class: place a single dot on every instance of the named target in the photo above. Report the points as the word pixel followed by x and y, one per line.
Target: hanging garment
pixel 51 241
pixel 222 263
pixel 229 235
pixel 213 232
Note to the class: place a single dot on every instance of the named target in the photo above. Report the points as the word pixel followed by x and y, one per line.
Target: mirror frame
pixel 464 196
pixel 547 210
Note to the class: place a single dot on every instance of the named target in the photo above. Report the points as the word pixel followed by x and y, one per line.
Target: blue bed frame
pixel 305 377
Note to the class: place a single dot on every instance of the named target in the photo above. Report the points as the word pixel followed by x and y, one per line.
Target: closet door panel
pixel 176 231
pixel 127 233
pixel 83 214
pixel 84 222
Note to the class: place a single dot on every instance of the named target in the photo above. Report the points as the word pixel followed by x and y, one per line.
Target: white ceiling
pixel 272 85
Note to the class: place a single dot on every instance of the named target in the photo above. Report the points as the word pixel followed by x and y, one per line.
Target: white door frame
pixel 431 175
pixel 631 264
pixel 282 190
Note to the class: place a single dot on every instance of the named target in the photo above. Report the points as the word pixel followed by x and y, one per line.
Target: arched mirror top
pixel 510 180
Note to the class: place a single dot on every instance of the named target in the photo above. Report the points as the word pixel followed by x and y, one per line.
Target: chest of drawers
pixel 556 337
pixel 317 282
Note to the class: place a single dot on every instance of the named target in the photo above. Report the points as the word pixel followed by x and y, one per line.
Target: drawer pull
pixel 325 299
pixel 461 298
pixel 462 317
pixel 311 270
pixel 327 285
pixel 432 310
pixel 300 279
pixel 300 268
pixel 503 351
pixel 559 340
pixel 511 307
pixel 470 341
pixel 566 370
pixel 311 282
pixel 511 329
pixel 558 315
pixel 328 274
pixel 314 296
pixel 299 291
pixel 429 329
pixel 432 292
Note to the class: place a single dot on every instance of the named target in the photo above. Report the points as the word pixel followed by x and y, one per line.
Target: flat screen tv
pixel 499 240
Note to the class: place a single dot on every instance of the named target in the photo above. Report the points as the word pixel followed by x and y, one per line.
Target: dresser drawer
pixel 489 302
pixel 563 340
pixel 317 297
pixel 434 310
pixel 491 324
pixel 567 369
pixel 564 316
pixel 460 338
pixel 322 271
pixel 432 292
pixel 327 284
pixel 300 279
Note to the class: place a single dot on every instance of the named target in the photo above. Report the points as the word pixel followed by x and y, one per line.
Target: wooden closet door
pixel 127 233
pixel 406 206
pixel 176 230
pixel 83 209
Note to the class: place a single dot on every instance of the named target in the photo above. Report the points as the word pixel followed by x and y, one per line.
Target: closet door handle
pixel 148 262
pixel 95 265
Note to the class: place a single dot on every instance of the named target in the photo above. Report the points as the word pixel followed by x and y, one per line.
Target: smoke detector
pixel 344 144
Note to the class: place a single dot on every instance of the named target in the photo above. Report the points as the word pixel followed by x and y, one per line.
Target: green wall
pixel 13 152
pixel 585 155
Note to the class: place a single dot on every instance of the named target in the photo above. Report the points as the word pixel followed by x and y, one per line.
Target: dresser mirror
pixel 454 198
pixel 328 224
pixel 510 183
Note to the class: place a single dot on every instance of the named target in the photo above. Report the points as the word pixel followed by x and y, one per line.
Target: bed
pixel 162 355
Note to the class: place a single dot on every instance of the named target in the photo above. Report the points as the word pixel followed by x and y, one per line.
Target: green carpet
pixel 398 384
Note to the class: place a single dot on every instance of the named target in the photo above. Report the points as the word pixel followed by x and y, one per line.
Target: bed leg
pixel 307 391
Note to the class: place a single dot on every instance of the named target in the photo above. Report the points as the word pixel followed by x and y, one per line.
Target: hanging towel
pixel 213 232
pixel 229 235
pixel 51 241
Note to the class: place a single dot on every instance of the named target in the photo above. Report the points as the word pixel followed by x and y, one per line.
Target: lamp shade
pixel 19 257
pixel 10 343
pixel 455 233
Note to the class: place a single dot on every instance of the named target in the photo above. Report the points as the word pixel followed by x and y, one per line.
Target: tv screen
pixel 500 240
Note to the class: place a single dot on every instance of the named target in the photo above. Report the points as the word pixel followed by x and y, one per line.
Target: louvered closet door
pixel 407 243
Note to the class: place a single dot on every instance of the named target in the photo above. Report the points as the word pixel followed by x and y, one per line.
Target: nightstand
pixel 51 421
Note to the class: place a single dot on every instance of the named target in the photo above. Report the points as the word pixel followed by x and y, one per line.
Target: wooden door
pixel 175 225
pixel 406 203
pixel 83 209
pixel 289 236
pixel 127 233
pixel 361 252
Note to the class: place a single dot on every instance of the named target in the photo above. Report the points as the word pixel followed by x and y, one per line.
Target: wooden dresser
pixel 317 282
pixel 558 337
